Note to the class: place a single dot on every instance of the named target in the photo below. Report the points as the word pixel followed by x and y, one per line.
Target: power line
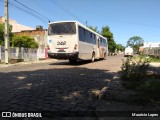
pixel 46 9
pixel 28 12
pixel 32 10
pixel 67 11
pixel 43 18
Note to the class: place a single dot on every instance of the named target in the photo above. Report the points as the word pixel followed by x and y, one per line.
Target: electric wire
pixel 28 12
pixel 43 18
pixel 67 11
pixel 32 10
pixel 46 9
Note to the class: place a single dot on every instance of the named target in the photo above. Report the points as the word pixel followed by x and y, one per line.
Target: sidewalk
pixel 27 62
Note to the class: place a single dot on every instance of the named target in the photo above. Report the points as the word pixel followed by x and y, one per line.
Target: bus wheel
pixel 93 57
pixel 72 60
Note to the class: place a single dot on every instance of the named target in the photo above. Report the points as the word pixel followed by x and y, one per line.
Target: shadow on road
pixel 78 63
pixel 69 89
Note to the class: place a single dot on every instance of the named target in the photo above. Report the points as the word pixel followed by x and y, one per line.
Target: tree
pixel 2 33
pixel 109 35
pixel 135 42
pixel 24 41
pixel 119 47
pixel 93 28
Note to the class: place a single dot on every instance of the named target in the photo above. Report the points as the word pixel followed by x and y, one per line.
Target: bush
pixel 134 76
pixel 150 58
pixel 24 41
pixel 134 69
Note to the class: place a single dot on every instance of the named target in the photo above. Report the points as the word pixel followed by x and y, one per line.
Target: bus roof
pixel 81 26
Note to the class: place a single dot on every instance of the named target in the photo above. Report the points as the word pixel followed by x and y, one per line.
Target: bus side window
pixel 101 43
pixel 87 36
pixel 104 43
pixel 82 34
pixel 94 39
pixel 98 42
pixel 91 37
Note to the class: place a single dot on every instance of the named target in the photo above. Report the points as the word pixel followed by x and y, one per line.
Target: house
pixel 16 27
pixel 39 34
pixel 148 47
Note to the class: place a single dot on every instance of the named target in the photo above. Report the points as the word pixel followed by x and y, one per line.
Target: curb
pixel 26 63
pixel 107 87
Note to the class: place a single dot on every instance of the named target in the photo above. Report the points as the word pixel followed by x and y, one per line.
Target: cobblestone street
pixel 55 86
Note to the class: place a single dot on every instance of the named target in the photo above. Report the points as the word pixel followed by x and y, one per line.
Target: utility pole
pixel 7 44
pixel 86 23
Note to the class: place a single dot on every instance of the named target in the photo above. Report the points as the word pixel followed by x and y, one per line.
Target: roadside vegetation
pixel 135 42
pixel 150 58
pixel 17 41
pixel 135 76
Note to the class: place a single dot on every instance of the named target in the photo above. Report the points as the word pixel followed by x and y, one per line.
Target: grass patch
pixel 150 89
pixel 150 58
pixel 131 85
pixel 134 76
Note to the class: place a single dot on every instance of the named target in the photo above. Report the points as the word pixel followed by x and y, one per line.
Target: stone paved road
pixel 55 86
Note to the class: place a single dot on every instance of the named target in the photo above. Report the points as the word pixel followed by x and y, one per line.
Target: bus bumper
pixel 63 55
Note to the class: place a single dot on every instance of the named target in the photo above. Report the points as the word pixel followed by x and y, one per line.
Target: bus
pixel 73 41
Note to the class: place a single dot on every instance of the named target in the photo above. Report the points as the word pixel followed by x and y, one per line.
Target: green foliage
pixel 109 35
pixel 150 89
pixel 15 41
pixel 150 58
pixel 135 42
pixel 134 69
pixel 93 28
pixel 106 32
pixel 2 34
pixel 134 76
pixel 24 41
pixel 120 47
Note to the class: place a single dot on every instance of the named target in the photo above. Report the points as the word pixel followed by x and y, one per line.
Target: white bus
pixel 74 41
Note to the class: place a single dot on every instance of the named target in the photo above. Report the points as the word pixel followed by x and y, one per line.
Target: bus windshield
pixel 62 28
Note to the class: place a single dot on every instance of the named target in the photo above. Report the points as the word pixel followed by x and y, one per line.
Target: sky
pixel 126 18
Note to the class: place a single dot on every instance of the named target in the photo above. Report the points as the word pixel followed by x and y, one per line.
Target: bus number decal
pixel 61 43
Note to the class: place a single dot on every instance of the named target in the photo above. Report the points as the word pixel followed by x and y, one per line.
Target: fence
pixel 25 54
